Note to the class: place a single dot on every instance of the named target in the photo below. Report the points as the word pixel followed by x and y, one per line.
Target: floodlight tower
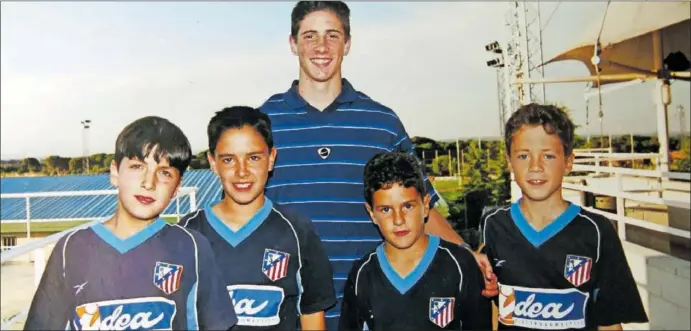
pixel 86 124
pixel 525 30
pixel 504 92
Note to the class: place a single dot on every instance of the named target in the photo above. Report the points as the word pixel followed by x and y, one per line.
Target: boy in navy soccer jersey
pixel 135 271
pixel 275 267
pixel 412 281
pixel 559 266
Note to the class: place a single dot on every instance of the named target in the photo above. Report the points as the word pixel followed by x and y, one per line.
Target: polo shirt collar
pixel 295 101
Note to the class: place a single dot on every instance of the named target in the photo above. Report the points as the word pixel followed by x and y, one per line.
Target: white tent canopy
pixel 628 36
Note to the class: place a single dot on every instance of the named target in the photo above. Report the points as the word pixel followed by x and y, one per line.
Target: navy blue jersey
pixel 274 266
pixel 572 274
pixel 320 164
pixel 443 292
pixel 163 277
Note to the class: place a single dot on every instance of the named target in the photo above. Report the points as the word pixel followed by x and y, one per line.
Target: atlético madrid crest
pixel 441 311
pixel 167 277
pixel 577 269
pixel 275 264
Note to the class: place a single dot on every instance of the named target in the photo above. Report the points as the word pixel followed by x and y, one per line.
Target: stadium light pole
pixel 499 63
pixel 86 124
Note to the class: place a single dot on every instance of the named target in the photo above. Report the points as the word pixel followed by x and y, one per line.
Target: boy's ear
pixel 569 163
pixel 114 173
pixel 293 45
pixel 177 189
pixel 508 161
pixel 370 213
pixel 425 201
pixel 346 49
pixel 272 158
pixel 212 162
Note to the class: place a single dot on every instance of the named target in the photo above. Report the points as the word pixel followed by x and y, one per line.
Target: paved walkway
pixel 16 291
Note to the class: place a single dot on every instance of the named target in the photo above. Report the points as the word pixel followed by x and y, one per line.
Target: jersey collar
pixel 537 238
pixel 295 101
pixel 125 245
pixel 404 284
pixel 234 238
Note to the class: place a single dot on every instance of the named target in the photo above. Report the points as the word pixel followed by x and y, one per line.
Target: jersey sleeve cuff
pixel 319 306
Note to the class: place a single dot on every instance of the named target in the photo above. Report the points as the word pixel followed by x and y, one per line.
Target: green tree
pixel 440 166
pixel 31 164
pixel 474 169
pixel 76 165
pixel 499 178
pixel 56 165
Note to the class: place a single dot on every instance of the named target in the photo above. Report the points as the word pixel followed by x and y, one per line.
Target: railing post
pixel 621 208
pixel 28 218
pixel 193 200
pixel 39 264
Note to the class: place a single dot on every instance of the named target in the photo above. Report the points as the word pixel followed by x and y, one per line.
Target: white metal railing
pixel 191 191
pixel 586 150
pixel 37 247
pixel 621 195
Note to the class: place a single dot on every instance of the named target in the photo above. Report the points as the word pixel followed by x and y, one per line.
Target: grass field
pixel 51 227
pixel 449 189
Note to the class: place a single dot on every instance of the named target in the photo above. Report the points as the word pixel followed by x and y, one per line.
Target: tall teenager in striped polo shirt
pixel 325 131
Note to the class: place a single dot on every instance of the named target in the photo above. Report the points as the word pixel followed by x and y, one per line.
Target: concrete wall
pixel 665 287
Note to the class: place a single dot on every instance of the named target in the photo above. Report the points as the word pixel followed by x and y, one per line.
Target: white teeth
pixel 245 185
pixel 320 61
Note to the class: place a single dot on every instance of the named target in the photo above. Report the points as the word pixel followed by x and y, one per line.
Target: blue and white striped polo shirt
pixel 320 164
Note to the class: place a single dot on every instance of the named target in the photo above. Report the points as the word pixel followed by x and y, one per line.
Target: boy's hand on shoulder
pixel 491 286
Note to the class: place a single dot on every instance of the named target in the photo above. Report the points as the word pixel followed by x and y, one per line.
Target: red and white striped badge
pixel 577 269
pixel 275 264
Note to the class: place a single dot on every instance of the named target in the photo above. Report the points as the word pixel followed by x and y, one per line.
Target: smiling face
pixel 538 162
pixel 242 160
pixel 400 214
pixel 145 187
pixel 320 45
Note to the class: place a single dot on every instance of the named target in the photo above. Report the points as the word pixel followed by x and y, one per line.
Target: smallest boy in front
pixel 135 271
pixel 559 266
pixel 412 281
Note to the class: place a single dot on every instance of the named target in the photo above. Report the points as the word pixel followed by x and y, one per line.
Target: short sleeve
pixel 214 306
pixel 405 145
pixel 617 299
pixel 486 240
pixel 52 303
pixel 350 317
pixel 316 275
pixel 476 311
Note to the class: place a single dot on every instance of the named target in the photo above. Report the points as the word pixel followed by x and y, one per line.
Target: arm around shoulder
pixel 438 225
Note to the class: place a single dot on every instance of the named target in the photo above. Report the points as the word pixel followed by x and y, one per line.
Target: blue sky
pixel 113 62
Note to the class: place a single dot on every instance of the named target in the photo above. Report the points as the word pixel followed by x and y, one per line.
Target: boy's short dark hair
pixel 235 118
pixel 552 118
pixel 140 137
pixel 388 168
pixel 304 8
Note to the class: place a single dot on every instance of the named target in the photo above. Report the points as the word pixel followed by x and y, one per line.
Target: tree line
pixel 440 157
